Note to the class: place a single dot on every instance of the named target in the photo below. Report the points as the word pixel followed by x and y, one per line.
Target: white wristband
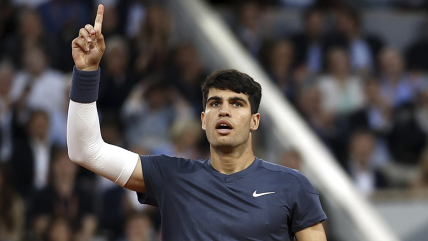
pixel 87 148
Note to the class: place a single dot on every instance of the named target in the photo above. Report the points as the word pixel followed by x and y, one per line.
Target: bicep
pixel 136 182
pixel 312 233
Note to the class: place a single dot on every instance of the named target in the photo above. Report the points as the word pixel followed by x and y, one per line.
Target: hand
pixel 88 48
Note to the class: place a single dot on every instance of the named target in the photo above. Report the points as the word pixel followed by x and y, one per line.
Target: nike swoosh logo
pixel 255 194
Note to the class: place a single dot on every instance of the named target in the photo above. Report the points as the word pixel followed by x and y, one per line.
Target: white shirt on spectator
pixel 41 153
pixel 47 90
pixel 340 98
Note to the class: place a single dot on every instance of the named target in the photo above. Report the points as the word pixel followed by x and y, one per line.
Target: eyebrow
pixel 229 99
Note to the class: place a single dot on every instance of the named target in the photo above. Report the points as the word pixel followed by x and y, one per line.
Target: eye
pixel 215 103
pixel 237 104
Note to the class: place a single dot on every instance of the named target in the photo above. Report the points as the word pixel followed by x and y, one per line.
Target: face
pixel 227 119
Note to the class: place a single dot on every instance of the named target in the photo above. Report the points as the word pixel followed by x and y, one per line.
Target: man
pixel 231 196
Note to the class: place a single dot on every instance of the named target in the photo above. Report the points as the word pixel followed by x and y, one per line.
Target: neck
pixel 233 159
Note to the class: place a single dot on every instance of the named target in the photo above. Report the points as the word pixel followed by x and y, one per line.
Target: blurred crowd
pixel 366 101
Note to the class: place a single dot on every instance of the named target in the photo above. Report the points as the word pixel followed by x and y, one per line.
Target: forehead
pixel 225 94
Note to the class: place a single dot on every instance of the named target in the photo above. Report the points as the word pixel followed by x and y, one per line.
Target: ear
pixel 203 121
pixel 255 122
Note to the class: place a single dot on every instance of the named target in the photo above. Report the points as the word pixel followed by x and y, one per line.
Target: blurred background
pixel 354 73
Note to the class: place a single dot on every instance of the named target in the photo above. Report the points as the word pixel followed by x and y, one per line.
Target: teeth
pixel 222 124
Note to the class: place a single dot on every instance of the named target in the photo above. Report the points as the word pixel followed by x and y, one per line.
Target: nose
pixel 224 113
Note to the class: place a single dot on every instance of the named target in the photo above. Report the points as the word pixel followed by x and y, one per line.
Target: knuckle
pixel 88 26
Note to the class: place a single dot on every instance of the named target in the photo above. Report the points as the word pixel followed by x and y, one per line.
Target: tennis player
pixel 233 195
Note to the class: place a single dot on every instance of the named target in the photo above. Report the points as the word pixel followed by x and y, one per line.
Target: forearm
pixel 85 144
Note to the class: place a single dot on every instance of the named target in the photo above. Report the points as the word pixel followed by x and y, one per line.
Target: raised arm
pixel 85 144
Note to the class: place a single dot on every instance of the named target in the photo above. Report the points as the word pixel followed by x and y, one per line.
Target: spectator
pixel 362 48
pixel 366 176
pixel 308 44
pixel 116 79
pixel 397 86
pixel 45 85
pixel 417 53
pixel 11 210
pixel 31 156
pixel 280 69
pixel 7 74
pixel 186 138
pixel 330 129
pixel 60 230
pixel 187 75
pixel 61 20
pixel 62 197
pixel 30 35
pixel 139 228
pixel 249 28
pixel 150 112
pixel 151 45
pixel 342 92
pixel 291 158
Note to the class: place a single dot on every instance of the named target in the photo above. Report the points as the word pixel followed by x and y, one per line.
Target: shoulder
pixel 289 176
pixel 172 160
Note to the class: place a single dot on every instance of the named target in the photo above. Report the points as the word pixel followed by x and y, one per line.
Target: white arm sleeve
pixel 87 148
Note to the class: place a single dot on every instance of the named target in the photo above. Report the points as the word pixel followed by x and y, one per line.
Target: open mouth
pixel 223 127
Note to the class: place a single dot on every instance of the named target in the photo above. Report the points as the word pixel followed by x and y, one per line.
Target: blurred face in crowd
pixel 6 78
pixel 362 147
pixel 116 56
pixel 186 56
pixel 391 62
pixel 38 126
pixel 372 91
pixel 338 62
pixel 138 228
pixel 60 230
pixel 250 14
pixel 63 167
pixel 35 61
pixel 110 20
pixel 157 19
pixel 291 159
pixel 282 55
pixel 315 24
pixel 227 119
pixel 346 24
pixel 310 100
pixel 30 24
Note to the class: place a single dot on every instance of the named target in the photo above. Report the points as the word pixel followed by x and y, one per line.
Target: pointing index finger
pixel 99 18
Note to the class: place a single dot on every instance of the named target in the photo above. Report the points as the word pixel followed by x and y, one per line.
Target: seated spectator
pixel 280 69
pixel 291 158
pixel 30 34
pixel 342 92
pixel 330 129
pixel 187 75
pixel 116 79
pixel 62 197
pixel 308 43
pixel 362 48
pixel 60 230
pixel 417 53
pixel 61 20
pixel 45 86
pixel 139 228
pixel 150 112
pixel 397 86
pixel 186 136
pixel 11 210
pixel 360 164
pixel 7 73
pixel 249 28
pixel 151 45
pixel 31 156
